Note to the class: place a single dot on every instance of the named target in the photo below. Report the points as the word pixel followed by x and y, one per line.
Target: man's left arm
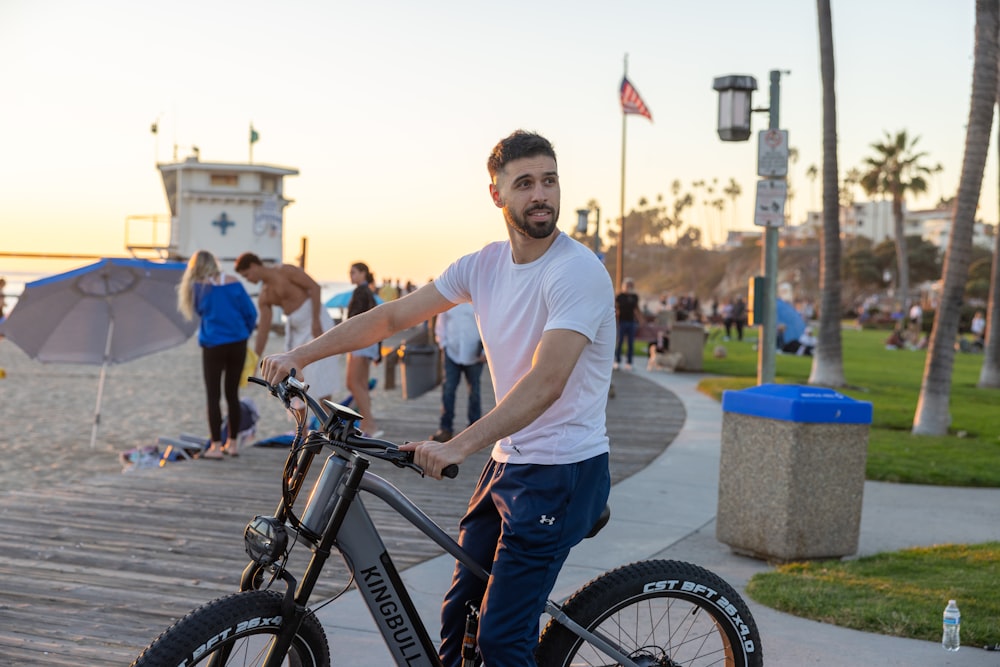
pixel 555 358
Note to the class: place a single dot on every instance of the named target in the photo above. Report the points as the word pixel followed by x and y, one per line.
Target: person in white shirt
pixel 545 307
pixel 979 327
pixel 457 335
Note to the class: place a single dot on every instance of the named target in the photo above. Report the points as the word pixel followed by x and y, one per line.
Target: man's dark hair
pixel 519 144
pixel 246 260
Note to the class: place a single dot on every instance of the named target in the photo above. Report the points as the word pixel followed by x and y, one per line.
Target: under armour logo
pixel 547 520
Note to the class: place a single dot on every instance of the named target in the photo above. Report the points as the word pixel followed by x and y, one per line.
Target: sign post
pixel 769 208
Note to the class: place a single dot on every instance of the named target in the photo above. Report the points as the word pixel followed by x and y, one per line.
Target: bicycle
pixel 649 613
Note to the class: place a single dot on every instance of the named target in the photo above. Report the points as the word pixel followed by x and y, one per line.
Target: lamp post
pixel 583 221
pixel 735 106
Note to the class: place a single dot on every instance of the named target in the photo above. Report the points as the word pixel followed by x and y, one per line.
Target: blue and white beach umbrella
pixel 109 312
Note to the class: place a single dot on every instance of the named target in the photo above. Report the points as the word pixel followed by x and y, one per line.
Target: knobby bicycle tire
pixel 235 630
pixel 660 613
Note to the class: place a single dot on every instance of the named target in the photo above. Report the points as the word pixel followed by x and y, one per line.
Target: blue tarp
pixel 794 324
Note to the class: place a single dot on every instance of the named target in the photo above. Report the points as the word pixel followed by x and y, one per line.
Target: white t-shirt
pixel 566 288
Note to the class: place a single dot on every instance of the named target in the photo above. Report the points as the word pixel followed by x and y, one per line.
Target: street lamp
pixel 735 106
pixel 583 220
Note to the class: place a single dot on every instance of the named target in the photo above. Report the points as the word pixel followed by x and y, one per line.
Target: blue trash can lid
pixel 797 403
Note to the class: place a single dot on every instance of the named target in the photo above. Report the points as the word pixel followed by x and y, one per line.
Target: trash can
pixel 792 472
pixel 688 339
pixel 420 368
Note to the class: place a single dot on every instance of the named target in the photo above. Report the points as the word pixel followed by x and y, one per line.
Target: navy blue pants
pixel 521 522
pixel 627 330
pixel 452 376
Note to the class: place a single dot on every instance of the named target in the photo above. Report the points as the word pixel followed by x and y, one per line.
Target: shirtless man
pixel 290 288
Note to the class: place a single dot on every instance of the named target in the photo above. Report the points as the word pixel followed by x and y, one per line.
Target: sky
pixel 389 108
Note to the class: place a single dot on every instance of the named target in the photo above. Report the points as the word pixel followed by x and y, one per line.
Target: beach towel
pixel 326 376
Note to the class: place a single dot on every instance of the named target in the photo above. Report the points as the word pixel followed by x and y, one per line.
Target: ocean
pixel 42 268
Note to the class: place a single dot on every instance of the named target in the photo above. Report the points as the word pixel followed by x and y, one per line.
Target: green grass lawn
pixel 901 593
pixel 890 379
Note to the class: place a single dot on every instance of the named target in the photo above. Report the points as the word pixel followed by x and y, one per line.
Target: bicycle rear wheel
pixel 235 630
pixel 660 613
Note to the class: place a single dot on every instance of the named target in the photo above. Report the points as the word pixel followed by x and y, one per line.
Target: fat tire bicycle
pixel 652 613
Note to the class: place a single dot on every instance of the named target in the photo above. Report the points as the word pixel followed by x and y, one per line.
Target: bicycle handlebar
pixel 291 387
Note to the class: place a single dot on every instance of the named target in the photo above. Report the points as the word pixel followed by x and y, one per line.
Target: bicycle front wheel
pixel 660 613
pixel 235 630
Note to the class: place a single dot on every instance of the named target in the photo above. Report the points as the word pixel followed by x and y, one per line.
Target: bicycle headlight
pixel 265 539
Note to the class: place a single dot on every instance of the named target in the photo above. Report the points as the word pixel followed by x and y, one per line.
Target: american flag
pixel 631 102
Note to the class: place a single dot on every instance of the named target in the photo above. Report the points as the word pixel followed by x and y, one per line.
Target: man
pixel 458 337
pixel 737 316
pixel 298 296
pixel 545 307
pixel 627 314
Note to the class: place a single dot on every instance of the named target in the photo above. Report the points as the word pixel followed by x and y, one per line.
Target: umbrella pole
pixel 100 385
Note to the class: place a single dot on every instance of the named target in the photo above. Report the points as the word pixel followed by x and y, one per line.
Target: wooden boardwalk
pixel 90 574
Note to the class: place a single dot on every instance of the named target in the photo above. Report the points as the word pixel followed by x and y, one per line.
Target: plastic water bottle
pixel 952 623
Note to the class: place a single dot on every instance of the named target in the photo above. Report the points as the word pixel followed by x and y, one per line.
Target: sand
pixel 47 411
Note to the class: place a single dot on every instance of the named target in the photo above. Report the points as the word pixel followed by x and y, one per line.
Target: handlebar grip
pixel 450 471
pixel 257 380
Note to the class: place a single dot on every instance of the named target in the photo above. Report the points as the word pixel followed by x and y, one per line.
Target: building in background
pixel 224 208
pixel 873 220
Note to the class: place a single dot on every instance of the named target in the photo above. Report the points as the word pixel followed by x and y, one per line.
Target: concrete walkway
pixel 683 481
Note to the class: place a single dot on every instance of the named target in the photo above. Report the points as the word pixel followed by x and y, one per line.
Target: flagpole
pixel 620 263
pixel 251 143
pixel 620 268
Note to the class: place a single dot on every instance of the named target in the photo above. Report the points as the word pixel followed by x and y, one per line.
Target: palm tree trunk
pixel 989 374
pixel 932 416
pixel 828 365
pixel 902 254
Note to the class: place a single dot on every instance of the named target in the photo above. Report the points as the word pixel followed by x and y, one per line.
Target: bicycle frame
pixel 338 511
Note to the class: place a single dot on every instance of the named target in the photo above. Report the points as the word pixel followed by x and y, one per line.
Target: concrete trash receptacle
pixel 792 472
pixel 420 369
pixel 688 339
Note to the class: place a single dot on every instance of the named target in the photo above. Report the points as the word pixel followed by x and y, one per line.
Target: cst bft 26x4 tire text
pixel 235 630
pixel 661 613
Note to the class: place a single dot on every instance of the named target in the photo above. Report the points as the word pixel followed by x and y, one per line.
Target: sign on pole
pixel 769 207
pixel 772 153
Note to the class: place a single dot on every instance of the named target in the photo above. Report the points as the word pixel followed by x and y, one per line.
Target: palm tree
pixel 895 171
pixel 733 191
pixel 932 416
pixel 828 366
pixel 989 374
pixel 812 173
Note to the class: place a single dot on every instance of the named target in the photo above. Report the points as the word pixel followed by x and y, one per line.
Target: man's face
pixel 528 192
pixel 251 273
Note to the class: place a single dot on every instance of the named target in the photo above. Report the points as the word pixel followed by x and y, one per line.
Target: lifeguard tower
pixel 224 208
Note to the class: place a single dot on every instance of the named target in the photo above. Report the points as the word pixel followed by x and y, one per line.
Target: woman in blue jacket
pixel 228 317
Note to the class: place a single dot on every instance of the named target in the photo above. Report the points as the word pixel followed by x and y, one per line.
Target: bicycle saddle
pixel 601 522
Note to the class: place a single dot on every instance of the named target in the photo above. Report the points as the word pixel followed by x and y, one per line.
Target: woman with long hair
pixel 228 317
pixel 359 362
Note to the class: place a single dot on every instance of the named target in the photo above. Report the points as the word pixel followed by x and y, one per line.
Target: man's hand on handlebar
pixel 434 456
pixel 276 367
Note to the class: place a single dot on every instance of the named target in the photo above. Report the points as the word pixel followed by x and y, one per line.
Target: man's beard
pixel 538 230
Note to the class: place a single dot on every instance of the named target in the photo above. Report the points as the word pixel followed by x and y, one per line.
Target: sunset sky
pixel 389 108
